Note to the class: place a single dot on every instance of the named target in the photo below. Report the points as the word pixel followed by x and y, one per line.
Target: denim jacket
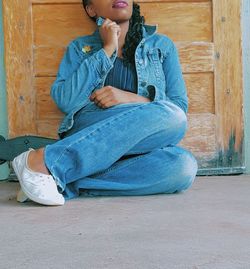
pixel 85 66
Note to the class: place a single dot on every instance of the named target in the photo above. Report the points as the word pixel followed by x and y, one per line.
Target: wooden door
pixel 208 37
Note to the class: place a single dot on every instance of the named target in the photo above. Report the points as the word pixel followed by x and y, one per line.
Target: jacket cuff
pixel 104 62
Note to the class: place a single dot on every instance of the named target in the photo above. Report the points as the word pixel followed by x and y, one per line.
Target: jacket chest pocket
pixel 155 57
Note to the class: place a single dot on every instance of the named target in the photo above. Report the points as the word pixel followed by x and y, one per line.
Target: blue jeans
pixel 127 149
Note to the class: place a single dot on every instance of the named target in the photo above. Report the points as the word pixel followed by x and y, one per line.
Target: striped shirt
pixel 122 76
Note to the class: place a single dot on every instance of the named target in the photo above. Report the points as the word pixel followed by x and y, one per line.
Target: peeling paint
pixel 229 161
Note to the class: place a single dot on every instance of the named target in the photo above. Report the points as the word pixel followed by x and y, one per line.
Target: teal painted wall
pixel 246 77
pixel 4 171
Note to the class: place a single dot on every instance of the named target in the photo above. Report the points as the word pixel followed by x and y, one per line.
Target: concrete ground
pixel 206 227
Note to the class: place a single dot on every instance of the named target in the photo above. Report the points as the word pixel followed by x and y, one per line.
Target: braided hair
pixel 134 34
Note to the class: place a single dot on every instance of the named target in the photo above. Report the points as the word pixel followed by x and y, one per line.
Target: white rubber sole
pixel 30 195
pixel 21 196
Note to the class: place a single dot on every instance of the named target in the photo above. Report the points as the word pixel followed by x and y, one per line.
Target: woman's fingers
pixel 110 32
pixel 110 24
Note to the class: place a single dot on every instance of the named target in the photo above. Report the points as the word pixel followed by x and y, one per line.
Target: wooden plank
pixel 19 67
pixel 47 60
pixel 199 86
pixel 191 20
pixel 194 56
pixel 46 107
pixel 71 18
pixel 228 74
pixel 200 138
pixel 48 128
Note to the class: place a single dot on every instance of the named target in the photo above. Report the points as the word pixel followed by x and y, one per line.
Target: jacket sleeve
pixel 175 85
pixel 78 76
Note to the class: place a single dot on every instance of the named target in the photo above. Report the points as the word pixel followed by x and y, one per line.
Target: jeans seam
pixel 137 152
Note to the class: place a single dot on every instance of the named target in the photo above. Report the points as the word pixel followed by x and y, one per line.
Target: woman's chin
pixel 121 16
pixel 121 19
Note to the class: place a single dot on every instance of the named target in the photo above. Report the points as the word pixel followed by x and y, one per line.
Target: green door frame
pixel 4 170
pixel 246 77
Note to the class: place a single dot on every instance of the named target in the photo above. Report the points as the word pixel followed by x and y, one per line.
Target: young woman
pixel 125 103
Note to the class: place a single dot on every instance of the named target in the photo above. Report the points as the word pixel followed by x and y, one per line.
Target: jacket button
pixel 141 61
pixel 144 83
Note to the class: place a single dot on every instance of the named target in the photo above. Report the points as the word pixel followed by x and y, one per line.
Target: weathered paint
pixel 226 162
pixel 246 75
pixel 4 171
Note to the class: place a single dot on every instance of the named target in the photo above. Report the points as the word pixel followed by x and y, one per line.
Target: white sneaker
pixel 36 186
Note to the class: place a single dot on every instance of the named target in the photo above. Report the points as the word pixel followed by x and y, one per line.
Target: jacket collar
pixel 149 30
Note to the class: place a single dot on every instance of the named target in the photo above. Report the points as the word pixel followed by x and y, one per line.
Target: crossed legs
pixel 91 160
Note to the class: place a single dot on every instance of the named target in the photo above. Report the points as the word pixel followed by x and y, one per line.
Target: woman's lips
pixel 120 4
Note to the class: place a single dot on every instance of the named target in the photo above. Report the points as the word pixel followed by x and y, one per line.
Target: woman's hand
pixel 109 96
pixel 110 32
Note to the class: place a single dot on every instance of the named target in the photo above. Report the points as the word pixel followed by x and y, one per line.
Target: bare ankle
pixel 36 161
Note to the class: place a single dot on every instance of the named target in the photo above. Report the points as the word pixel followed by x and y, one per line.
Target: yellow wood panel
pixel 200 138
pixel 194 57
pixel 181 21
pixel 46 107
pixel 200 93
pixel 68 22
pixel 228 73
pixel 200 87
pixel 19 66
pixel 48 128
pixel 47 60
pixel 191 21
